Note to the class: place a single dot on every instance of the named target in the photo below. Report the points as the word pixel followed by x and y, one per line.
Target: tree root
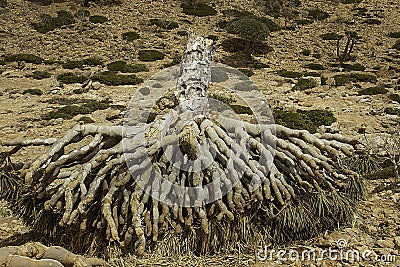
pixel 101 184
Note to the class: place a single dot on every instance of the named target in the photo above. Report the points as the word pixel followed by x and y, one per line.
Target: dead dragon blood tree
pixel 213 183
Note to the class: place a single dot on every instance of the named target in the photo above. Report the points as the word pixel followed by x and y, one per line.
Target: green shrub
pixel 130 36
pixel 199 9
pixel 113 79
pixel 375 90
pixel 318 14
pixel 259 65
pixel 39 75
pixel 331 36
pixel 397 45
pixel 165 24
pixel 303 21
pixel 70 111
pixel 28 58
pixel 249 29
pixel 394 35
pixel 79 64
pixel 343 79
pixel 247 72
pixel 324 79
pixel 306 83
pixel 51 62
pixel 92 61
pixel 319 116
pixel 33 91
pixel 315 66
pixel 272 26
pixel 70 77
pixel 50 23
pixel 394 97
pixel 306 52
pixel 150 55
pixel 184 33
pixel 122 66
pixel 371 21
pixel 311 74
pixel 355 67
pixel 239 109
pixel 364 77
pixel 289 74
pixel 392 111
pixel 304 120
pixel 213 37
pixel 97 19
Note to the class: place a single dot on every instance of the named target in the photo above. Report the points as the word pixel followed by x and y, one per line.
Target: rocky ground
pixel 23 110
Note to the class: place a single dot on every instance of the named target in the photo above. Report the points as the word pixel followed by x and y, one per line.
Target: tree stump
pixel 215 184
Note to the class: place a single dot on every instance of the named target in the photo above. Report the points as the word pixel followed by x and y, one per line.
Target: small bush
pixel 150 55
pixel 249 29
pixel 79 64
pixel 392 111
pixel 397 45
pixel 130 36
pixel 164 24
pixel 306 52
pixel 364 77
pixel 355 67
pixel 306 83
pixel 97 19
pixel 343 79
pixel 375 90
pixel 259 65
pixel 33 91
pixel 70 111
pixel 184 33
pixel 39 75
pixel 311 74
pixel 303 21
pixel 394 35
pixel 247 72
pixel 324 79
pixel 372 21
pixel 198 9
pixel 318 14
pixel 28 58
pixel 213 37
pixel 50 23
pixel 394 97
pixel 113 79
pixel 71 77
pixel 304 120
pixel 239 109
pixel 122 66
pixel 289 74
pixel 315 66
pixel 331 36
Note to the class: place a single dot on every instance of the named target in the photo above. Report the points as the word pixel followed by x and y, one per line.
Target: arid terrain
pixel 366 103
